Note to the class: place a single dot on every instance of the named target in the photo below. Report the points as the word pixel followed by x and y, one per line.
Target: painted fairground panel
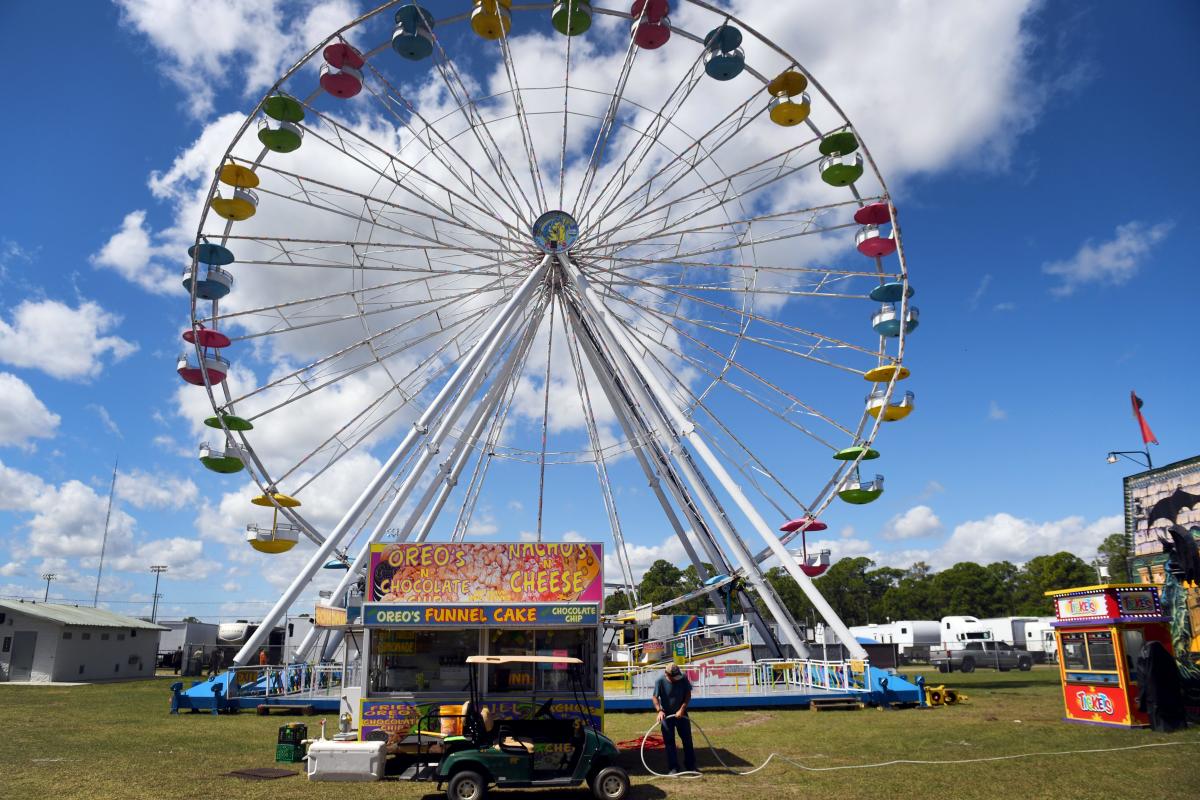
pixel 1171 559
pixel 401 717
pixel 498 573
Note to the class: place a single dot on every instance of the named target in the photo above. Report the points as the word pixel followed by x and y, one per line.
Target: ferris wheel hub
pixel 555 232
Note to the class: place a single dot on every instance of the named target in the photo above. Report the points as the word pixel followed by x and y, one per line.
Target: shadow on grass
pixel 973 685
pixel 638 791
pixel 706 761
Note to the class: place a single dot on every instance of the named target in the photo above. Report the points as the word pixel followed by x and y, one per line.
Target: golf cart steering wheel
pixel 544 711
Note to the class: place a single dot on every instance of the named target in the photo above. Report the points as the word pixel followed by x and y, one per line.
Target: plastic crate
pixel 292 733
pixel 289 753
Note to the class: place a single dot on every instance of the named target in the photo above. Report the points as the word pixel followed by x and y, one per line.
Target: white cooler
pixel 346 761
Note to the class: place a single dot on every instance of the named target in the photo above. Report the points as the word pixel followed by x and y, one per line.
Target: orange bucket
pixel 452 723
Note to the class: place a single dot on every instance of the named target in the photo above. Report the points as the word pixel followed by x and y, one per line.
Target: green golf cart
pixel 539 751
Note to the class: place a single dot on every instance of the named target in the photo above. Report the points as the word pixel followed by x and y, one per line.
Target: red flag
pixel 1147 434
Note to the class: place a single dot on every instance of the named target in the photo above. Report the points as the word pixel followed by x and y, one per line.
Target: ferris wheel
pixel 519 242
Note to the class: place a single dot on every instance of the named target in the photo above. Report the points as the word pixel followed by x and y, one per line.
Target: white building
pixel 45 642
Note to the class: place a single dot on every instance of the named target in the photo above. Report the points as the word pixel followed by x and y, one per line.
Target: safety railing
pixel 758 677
pixel 309 680
pixel 688 645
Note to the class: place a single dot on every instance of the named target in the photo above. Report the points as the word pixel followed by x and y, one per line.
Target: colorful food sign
pixel 477 573
pixel 462 615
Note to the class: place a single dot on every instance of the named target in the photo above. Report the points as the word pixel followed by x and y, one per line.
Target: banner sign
pixel 1087 606
pixel 486 573
pixel 1096 704
pixel 394 615
pixel 329 616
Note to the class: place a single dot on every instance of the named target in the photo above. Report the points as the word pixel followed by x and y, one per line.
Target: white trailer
pixel 1038 639
pixel 957 630
pixel 1007 629
pixel 914 636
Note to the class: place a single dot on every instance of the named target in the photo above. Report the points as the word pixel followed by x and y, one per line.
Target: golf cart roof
pixel 523 660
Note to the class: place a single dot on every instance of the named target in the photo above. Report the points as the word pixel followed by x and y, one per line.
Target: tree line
pixel 861 592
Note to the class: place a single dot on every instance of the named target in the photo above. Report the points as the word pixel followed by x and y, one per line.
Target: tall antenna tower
pixel 104 542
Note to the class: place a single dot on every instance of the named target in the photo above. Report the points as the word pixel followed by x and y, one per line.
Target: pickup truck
pixel 997 655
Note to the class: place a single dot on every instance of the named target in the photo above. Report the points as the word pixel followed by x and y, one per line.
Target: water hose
pixel 693 774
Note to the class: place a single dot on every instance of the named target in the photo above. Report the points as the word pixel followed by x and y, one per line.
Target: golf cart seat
pixel 517 743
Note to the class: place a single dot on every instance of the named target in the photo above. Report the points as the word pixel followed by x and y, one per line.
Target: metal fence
pixel 759 677
pixel 306 680
pixel 705 640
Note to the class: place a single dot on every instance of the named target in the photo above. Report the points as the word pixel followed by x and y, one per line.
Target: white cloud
pixel 258 40
pixel 61 341
pixel 105 419
pixel 977 295
pixel 183 557
pixel 22 415
pixel 19 489
pixel 154 490
pixel 1005 537
pixel 916 522
pixel 995 412
pixel 130 253
pixel 1112 262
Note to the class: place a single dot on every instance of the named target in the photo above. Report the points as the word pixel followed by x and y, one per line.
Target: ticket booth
pixel 429 606
pixel 1100 632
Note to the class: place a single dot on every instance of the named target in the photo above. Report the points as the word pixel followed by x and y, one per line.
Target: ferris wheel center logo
pixel 555 232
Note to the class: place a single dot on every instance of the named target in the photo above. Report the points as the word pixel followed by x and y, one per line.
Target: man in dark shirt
pixel 672 693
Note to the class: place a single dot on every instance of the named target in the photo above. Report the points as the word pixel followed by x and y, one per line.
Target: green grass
pixel 118 741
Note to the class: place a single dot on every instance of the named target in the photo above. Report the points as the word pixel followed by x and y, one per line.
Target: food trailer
pixel 1100 632
pixel 430 606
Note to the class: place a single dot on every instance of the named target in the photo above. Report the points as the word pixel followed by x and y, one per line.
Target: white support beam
pixel 482 349
pixel 684 429
pixel 637 433
pixel 634 372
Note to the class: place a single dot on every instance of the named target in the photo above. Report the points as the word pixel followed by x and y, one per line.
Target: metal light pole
pixel 1129 454
pixel 158 570
pixel 47 577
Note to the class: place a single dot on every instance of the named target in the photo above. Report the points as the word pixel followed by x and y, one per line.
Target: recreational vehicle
pixel 915 637
pixel 956 631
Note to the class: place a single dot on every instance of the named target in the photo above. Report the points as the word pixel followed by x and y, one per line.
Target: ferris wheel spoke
pixel 404 180
pixel 604 131
pixel 374 292
pixel 727 190
pixel 297 376
pixel 313 190
pixel 510 69
pixel 474 118
pixel 291 325
pixel 506 198
pixel 625 263
pixel 649 135
pixel 740 120
pixel 726 194
pixel 803 350
pixel 723 379
pixel 804 227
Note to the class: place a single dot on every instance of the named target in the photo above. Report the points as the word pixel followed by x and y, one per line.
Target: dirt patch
pixel 753 718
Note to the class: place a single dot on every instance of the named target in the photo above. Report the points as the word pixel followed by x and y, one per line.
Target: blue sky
pixel 1046 212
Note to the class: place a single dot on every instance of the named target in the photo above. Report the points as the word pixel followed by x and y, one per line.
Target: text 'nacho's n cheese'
pixel 519 572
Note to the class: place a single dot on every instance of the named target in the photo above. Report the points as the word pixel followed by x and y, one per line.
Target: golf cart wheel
pixel 1025 664
pixel 968 664
pixel 610 783
pixel 466 785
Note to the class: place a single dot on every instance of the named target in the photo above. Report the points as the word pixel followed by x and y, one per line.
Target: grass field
pixel 118 741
